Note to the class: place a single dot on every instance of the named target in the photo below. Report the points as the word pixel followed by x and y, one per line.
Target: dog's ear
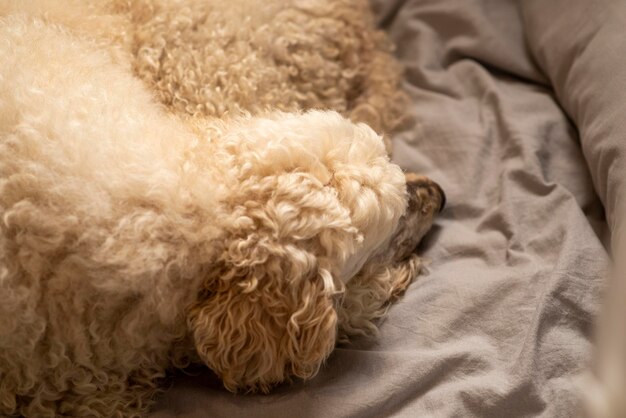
pixel 267 309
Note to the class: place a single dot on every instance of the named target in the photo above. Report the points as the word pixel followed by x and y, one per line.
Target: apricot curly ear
pixel 266 327
pixel 267 310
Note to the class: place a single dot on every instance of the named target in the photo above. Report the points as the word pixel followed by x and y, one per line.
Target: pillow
pixel 581 47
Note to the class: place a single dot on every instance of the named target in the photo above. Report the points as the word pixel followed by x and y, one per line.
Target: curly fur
pixel 133 240
pixel 212 58
pixel 292 55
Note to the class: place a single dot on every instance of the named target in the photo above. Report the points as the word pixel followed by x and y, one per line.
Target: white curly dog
pixel 135 239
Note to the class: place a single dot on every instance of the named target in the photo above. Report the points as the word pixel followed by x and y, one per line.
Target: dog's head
pixel 313 198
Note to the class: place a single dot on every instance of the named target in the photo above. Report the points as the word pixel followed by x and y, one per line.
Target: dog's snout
pixel 428 188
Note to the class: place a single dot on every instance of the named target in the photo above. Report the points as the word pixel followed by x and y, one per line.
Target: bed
pixel 518 108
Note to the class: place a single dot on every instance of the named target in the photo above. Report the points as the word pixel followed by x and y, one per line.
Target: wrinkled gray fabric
pixel 501 326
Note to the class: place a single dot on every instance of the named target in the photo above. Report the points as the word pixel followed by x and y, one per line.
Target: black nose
pixel 443 196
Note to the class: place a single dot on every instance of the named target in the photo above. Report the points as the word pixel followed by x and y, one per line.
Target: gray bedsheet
pixel 502 324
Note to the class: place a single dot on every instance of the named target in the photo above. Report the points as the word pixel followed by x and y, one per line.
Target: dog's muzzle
pixel 425 193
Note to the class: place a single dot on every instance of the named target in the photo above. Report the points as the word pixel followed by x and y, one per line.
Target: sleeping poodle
pixel 138 236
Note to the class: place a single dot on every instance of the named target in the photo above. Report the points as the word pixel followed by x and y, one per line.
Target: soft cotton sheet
pixel 502 324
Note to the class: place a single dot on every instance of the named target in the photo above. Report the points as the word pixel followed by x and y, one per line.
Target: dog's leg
pixel 382 104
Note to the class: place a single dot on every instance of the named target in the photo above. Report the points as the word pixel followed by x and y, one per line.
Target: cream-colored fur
pixel 214 57
pixel 133 240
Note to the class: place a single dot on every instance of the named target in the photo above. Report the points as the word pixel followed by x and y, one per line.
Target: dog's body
pixel 133 240
pixel 212 58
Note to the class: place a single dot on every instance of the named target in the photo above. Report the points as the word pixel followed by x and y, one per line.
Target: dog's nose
pixel 443 196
